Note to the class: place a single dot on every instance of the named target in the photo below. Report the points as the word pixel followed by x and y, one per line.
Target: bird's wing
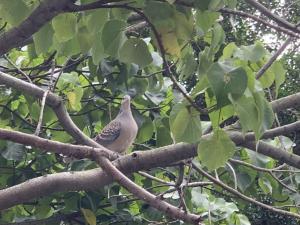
pixel 109 133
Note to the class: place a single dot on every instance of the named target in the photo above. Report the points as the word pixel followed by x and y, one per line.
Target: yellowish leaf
pixel 89 216
pixel 169 40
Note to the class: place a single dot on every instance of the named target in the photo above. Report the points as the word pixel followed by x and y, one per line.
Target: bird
pixel 119 134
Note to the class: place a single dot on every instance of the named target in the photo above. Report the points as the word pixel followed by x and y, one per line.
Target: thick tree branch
pixel 128 164
pixel 85 180
pixel 77 151
pixel 291 101
pixel 47 10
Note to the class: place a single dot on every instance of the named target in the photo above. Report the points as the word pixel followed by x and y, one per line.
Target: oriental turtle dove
pixel 120 133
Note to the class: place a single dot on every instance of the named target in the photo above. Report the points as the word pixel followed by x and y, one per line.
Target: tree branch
pixel 85 180
pixel 291 101
pixel 47 10
pixel 242 196
pixel 259 20
pixel 127 164
pixel 273 58
pixel 273 16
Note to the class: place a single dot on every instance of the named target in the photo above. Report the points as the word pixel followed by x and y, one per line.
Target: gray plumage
pixel 120 133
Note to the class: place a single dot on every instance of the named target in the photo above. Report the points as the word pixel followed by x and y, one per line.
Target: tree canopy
pixel 215 90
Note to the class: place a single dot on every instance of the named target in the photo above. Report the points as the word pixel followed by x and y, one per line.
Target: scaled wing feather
pixel 109 133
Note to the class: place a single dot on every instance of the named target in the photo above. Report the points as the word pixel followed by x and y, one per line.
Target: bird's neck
pixel 125 111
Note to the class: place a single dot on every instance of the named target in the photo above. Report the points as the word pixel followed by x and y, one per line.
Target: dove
pixel 120 133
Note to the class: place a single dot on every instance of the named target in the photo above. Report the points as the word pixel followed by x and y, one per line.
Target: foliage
pixel 92 58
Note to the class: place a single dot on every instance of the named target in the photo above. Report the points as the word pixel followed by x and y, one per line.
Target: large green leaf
pixel 206 19
pixel 64 26
pixel 255 113
pixel 218 38
pixel 74 98
pixel 113 36
pixel 158 11
pixel 97 49
pixel 214 152
pixel 96 20
pixel 252 52
pixel 279 72
pixel 135 51
pixel 185 124
pixel 227 80
pixel 145 131
pixel 13 11
pixel 187 64
pixel 43 39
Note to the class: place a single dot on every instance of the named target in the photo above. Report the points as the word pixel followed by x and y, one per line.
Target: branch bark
pixel 137 161
pixel 47 10
pixel 273 16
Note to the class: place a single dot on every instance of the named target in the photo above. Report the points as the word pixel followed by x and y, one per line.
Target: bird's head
pixel 125 104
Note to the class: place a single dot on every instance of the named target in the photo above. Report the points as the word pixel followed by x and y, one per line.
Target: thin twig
pixel 17 68
pixel 242 196
pixel 38 128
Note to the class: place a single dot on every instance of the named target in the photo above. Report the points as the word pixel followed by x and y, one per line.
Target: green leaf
pixel 203 4
pixel 267 79
pixel 139 85
pixel 265 185
pixel 89 216
pixel 205 60
pixel 145 131
pixel 185 124
pixel 23 109
pixel 215 151
pixel 74 98
pixel 64 26
pixel 279 72
pixel 135 51
pixel 215 4
pixel 206 19
pixel 163 136
pixel 247 112
pixel 96 20
pixel 13 11
pixel 113 36
pixel 254 112
pixel 229 50
pixel 43 39
pixel 184 26
pixel 265 112
pixel 97 49
pixel 158 11
pixel 121 14
pixel 242 220
pixel 85 39
pixel 187 64
pixel 169 40
pixel 14 151
pixel 227 80
pixel 200 198
pixel 218 38
pixel 252 53
pixel 68 48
